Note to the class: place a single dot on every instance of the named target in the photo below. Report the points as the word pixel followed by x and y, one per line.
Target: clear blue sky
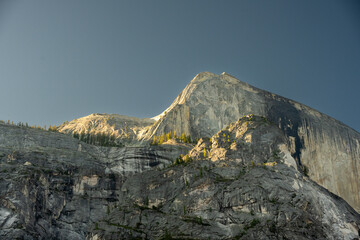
pixel 61 60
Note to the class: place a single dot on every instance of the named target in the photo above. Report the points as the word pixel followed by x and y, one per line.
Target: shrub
pixel 183 159
pixel 305 170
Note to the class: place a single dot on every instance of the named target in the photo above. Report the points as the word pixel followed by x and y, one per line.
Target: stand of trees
pixel 183 159
pixel 157 140
pixel 100 139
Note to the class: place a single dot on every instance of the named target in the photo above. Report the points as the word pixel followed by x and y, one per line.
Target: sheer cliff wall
pixel 327 147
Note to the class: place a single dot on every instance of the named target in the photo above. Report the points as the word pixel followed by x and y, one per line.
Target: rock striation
pixel 329 149
pixel 245 178
pixel 241 184
pixel 126 130
pixel 53 186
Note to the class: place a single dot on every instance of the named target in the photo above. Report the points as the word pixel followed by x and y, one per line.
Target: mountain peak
pixel 259 168
pixel 203 76
pixel 210 102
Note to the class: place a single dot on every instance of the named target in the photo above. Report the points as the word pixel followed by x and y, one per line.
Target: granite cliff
pixel 126 130
pixel 245 178
pixel 53 186
pixel 240 184
pixel 329 149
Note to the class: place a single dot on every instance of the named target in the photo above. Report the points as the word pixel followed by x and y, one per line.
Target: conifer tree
pixel 183 137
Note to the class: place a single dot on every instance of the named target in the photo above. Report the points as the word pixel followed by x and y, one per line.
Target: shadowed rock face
pixel 241 184
pixel 53 186
pixel 328 148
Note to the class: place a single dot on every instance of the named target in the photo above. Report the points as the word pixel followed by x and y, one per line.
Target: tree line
pixel 101 139
pixel 51 128
pixel 157 140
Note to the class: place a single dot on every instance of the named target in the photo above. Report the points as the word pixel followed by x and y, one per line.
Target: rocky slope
pixel 328 148
pixel 241 184
pixel 244 179
pixel 53 186
pixel 126 130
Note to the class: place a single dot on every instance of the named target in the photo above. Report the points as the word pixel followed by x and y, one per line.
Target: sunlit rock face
pixel 242 183
pixel 126 130
pixel 328 148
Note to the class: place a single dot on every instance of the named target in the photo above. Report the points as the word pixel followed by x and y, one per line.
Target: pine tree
pixel 183 137
pixel 168 136
pixel 154 141
pixel 162 138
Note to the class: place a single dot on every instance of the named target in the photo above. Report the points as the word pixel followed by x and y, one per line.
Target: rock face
pixel 243 184
pixel 328 148
pixel 125 129
pixel 244 178
pixel 53 186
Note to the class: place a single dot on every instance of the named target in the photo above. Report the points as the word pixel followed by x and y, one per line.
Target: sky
pixel 61 60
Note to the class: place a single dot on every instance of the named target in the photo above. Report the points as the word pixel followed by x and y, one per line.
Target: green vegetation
pixel 167 236
pixel 252 163
pixel 146 201
pixel 26 125
pixel 53 128
pixel 272 228
pixel 219 179
pixel 108 210
pixel 274 200
pixel 197 220
pixel 183 159
pixel 100 139
pixel 157 140
pixel 250 117
pixel 275 154
pixel 252 224
pixel 123 226
pixel 205 153
pixel 305 170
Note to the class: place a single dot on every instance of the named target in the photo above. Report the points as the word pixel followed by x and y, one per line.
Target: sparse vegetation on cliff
pixel 183 159
pixel 51 128
pixel 100 139
pixel 157 140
